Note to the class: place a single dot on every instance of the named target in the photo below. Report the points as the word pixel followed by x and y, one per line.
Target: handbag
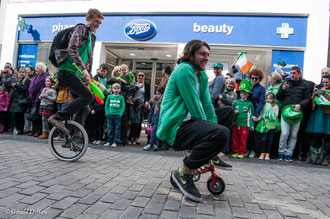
pixel 316 154
pixel 33 114
pixel 23 101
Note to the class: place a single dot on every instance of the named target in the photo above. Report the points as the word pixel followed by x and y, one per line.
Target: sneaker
pixel 222 155
pixel 218 162
pixel 241 156
pixel 106 144
pixel 154 148
pixel 94 142
pixel 114 145
pixel 129 142
pixel 262 156
pixel 252 154
pixel 247 152
pixel 59 125
pixel 147 148
pixel 58 138
pixel 133 142
pixel 187 186
pixel 280 157
pixel 288 158
pixel 267 157
pixel 234 155
pixel 98 142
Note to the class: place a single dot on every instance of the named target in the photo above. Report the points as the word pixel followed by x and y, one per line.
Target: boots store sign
pixel 281 31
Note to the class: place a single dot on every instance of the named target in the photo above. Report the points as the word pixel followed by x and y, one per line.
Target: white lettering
pixel 197 28
pixel 58 27
pixel 224 28
pixel 26 56
pixel 138 28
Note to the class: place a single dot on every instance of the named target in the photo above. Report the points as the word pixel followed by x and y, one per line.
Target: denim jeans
pixel 286 147
pixel 153 137
pixel 82 97
pixel 267 141
pixel 114 126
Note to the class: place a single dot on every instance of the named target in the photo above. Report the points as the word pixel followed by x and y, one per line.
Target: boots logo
pixel 140 30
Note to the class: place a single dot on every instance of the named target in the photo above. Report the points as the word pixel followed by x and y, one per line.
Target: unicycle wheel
pixel 172 181
pixel 71 147
pixel 219 186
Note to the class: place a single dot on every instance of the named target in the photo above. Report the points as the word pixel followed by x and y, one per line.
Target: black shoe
pixel 187 186
pixel 218 162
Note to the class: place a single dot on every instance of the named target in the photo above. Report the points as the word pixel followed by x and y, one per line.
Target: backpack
pixel 60 41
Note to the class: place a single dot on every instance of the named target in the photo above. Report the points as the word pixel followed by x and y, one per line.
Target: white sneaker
pixel 107 144
pixel 98 142
pixel 94 142
pixel 252 154
pixel 114 145
pixel 147 148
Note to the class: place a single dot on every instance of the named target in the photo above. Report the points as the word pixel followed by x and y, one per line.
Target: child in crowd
pixel 267 126
pixel 130 79
pixel 135 118
pixel 153 119
pixel 114 109
pixel 229 91
pixel 4 105
pixel 243 122
pixel 47 105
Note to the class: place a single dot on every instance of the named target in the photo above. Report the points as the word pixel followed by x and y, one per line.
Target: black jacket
pixel 297 93
pixel 19 91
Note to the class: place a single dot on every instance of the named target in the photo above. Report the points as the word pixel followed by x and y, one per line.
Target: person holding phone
pixel 293 91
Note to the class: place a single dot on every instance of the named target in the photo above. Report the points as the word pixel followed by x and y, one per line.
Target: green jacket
pixel 115 105
pixel 129 78
pixel 180 97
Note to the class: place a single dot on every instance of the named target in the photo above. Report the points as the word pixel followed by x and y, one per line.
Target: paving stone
pixel 272 214
pixel 168 214
pixel 110 197
pixel 253 208
pixel 130 195
pixel 98 208
pixel 131 212
pixel 65 203
pixel 110 213
pixel 120 204
pixel 74 210
pixel 187 211
pixel 140 202
pixel 7 201
pixel 240 212
pixel 33 189
pixel 172 205
pixel 90 199
pixel 33 198
pixel 204 209
pixel 159 198
pixel 153 208
pixel 49 213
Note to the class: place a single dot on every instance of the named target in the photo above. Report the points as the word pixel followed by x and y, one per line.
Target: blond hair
pixel 116 85
pixel 276 78
pixel 114 71
pixel 123 66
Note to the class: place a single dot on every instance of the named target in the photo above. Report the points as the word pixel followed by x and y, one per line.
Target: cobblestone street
pixel 127 182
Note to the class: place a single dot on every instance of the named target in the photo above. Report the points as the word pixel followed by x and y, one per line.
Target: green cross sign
pixel 21 24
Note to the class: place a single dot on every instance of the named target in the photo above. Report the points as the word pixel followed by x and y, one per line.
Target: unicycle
pixel 70 147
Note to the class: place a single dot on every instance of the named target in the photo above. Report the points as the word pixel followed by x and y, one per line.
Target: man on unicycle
pixel 187 119
pixel 79 51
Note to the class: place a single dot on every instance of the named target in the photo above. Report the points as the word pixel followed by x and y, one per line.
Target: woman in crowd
pixel 19 100
pixel 258 100
pixel 319 121
pixel 142 91
pixel 35 88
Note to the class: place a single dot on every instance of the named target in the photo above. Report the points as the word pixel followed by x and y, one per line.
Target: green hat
pixel 291 117
pixel 217 65
pixel 245 85
pixel 281 62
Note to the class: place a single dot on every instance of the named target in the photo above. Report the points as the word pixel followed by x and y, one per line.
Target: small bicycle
pixel 215 184
pixel 70 147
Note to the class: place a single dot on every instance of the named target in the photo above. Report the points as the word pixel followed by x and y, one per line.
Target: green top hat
pixel 217 65
pixel 291 117
pixel 245 85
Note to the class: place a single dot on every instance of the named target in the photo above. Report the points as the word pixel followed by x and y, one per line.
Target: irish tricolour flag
pixel 243 63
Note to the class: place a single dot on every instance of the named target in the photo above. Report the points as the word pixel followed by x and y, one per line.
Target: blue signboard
pixel 291 58
pixel 217 29
pixel 27 55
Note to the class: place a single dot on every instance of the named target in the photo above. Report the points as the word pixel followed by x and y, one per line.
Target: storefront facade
pixel 146 41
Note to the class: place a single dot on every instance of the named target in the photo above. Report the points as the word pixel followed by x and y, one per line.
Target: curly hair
pixel 256 72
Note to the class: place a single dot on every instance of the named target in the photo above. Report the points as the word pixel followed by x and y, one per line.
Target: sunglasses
pixel 141 75
pixel 253 78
